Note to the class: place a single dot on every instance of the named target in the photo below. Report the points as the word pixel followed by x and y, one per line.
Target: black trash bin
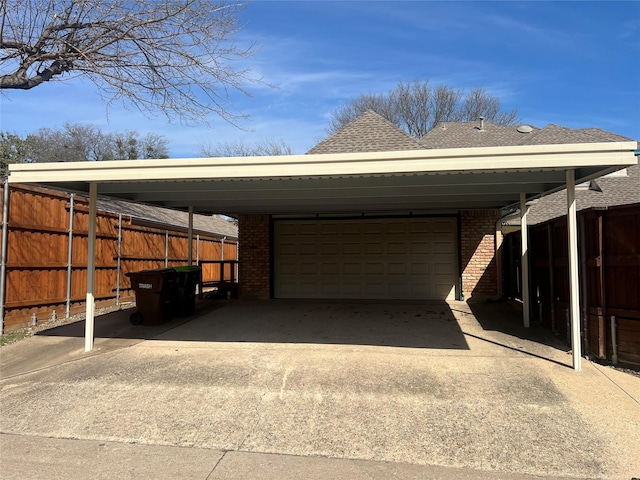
pixel 189 277
pixel 154 291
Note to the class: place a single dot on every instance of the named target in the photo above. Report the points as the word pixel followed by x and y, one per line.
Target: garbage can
pixel 184 302
pixel 154 290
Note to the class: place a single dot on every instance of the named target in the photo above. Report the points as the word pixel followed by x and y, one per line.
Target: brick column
pixel 254 257
pixel 479 271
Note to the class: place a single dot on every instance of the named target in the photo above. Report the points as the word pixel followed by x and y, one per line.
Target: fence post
pixel 119 266
pixel 583 284
pixel 166 248
pixel 67 311
pixel 190 237
pixel 5 237
pixel 614 341
pixel 197 249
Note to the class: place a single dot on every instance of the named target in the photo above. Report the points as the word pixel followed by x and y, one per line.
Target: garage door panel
pixel 382 258
pixel 352 248
pixel 397 269
pixel 417 248
pixel 373 248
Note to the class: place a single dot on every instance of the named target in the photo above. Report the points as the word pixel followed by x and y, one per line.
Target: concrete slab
pixel 241 466
pixel 35 458
pixel 65 343
pixel 417 384
pixel 27 458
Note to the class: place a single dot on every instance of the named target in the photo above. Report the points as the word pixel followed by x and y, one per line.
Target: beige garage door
pixel 391 258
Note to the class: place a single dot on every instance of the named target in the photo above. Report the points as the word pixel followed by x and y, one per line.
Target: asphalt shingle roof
pixel 203 223
pixel 469 134
pixel 616 190
pixel 369 132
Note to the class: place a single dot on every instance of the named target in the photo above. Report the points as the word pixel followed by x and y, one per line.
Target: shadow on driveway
pixel 397 324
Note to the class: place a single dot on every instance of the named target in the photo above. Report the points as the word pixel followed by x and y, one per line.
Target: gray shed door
pixel 389 258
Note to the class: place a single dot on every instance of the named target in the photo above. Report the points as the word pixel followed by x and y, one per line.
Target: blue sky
pixel 575 64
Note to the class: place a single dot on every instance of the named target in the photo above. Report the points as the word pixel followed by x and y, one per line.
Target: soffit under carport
pixel 416 180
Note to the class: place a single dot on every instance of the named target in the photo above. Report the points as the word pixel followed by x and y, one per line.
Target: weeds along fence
pixel 46 254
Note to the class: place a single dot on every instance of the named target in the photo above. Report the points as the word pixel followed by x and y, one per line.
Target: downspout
pixel 524 260
pixel 574 287
pixel 91 269
pixel 5 237
pixel 499 238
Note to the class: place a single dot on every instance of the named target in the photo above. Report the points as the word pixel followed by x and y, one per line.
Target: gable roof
pixel 469 134
pixel 369 132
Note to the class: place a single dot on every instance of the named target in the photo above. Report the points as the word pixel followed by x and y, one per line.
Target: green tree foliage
pixel 417 107
pixel 77 143
pixel 13 149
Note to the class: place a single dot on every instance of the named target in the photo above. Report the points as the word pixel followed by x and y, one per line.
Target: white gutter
pixel 452 160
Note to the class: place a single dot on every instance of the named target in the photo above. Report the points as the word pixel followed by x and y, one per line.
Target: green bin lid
pixel 187 268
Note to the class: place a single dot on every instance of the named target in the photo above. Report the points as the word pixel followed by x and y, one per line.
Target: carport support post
pixel 190 237
pixel 574 290
pixel 524 260
pixel 5 237
pixel 91 268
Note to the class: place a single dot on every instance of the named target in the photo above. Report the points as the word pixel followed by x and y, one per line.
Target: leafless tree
pixel 242 149
pixel 417 107
pixel 173 56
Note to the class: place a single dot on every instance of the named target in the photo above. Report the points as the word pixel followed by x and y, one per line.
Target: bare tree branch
pixel 174 56
pixel 417 107
pixel 239 148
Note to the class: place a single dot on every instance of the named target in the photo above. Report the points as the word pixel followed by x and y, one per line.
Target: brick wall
pixel 479 271
pixel 254 258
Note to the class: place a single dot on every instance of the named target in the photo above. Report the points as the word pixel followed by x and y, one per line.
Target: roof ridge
pixel 368 132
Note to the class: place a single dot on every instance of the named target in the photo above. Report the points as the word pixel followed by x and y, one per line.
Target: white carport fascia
pixel 521 158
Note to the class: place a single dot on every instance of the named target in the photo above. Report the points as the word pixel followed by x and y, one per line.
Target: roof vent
pixel 482 124
pixel 525 129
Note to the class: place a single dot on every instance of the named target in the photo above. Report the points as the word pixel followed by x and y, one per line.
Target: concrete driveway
pixel 400 384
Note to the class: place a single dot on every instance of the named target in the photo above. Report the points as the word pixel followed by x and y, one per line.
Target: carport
pixel 435 181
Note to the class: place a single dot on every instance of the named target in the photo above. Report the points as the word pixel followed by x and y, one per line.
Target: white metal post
pixel 5 239
pixel 524 260
pixel 91 269
pixel 190 237
pixel 574 288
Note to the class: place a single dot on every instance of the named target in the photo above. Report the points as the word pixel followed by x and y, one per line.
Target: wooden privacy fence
pixel 47 253
pixel 609 269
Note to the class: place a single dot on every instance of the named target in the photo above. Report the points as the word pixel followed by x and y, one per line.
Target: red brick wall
pixel 479 271
pixel 254 257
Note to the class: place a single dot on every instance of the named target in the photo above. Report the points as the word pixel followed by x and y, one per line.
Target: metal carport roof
pixel 372 182
pixel 415 180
